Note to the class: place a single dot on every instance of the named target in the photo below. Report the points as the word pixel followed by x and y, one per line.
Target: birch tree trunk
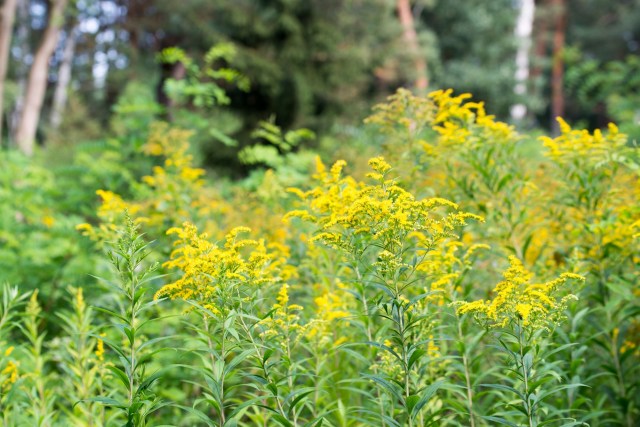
pixel 411 38
pixel 524 27
pixel 37 83
pixel 64 78
pixel 7 16
pixel 557 72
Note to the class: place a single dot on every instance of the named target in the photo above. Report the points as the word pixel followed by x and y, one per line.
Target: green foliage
pixel 476 52
pixel 350 309
pixel 134 394
pixel 194 88
pixel 613 84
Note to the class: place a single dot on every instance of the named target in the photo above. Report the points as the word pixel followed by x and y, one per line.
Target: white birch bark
pixel 64 78
pixel 523 30
pixel 37 83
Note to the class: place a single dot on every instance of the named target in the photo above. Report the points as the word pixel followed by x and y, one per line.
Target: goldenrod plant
pixel 360 293
pixel 132 392
pixel 385 235
pixel 520 313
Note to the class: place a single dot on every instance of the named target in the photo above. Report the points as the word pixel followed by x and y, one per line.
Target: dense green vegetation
pixel 231 213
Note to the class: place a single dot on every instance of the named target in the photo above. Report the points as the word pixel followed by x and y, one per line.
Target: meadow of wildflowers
pixel 466 275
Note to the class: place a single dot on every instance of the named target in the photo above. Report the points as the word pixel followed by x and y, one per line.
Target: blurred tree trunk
pixel 21 42
pixel 7 16
pixel 541 41
pixel 175 71
pixel 64 78
pixel 557 72
pixel 411 38
pixel 523 31
pixel 37 83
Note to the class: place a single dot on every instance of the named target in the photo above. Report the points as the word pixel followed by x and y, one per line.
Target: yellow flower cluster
pixel 412 113
pixel 113 205
pixel 174 192
pixel 209 269
pixel 176 179
pixel 284 320
pixel 631 342
pixel 331 308
pixel 388 214
pixel 10 371
pixel 582 146
pixel 517 300
pixel 99 352
pixel 444 267
pixel 461 123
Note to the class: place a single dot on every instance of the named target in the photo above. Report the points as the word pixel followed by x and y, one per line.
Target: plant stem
pixel 370 338
pixel 263 365
pixel 133 337
pixel 525 376
pixel 213 364
pixel 620 375
pixel 289 376
pixel 467 376
pixel 405 360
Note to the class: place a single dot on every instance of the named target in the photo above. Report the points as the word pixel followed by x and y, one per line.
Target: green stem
pixel 405 360
pixel 213 364
pixel 289 375
pixel 467 376
pixel 525 375
pixel 620 377
pixel 262 364
pixel 370 338
pixel 133 337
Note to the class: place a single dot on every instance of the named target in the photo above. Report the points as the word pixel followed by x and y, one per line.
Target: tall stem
pixel 289 376
pixel 132 319
pixel 370 338
pixel 620 377
pixel 525 376
pixel 467 376
pixel 213 364
pixel 405 360
pixel 263 365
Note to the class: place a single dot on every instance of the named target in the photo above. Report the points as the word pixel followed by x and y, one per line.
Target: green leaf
pixel 237 360
pixel 505 388
pixel 298 399
pixel 500 421
pixel 107 401
pixel 426 395
pixel 225 139
pixel 282 420
pixel 415 356
pixel 394 390
pixel 120 374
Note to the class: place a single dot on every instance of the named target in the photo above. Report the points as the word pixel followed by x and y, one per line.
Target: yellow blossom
pixel 208 269
pixel 100 348
pixel 517 300
pixel 580 145
pixel 11 372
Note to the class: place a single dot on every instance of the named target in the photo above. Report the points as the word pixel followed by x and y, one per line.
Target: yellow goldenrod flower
pixel 8 351
pixel 208 268
pixel 11 372
pixel 517 300
pixel 100 348
pixel 583 146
